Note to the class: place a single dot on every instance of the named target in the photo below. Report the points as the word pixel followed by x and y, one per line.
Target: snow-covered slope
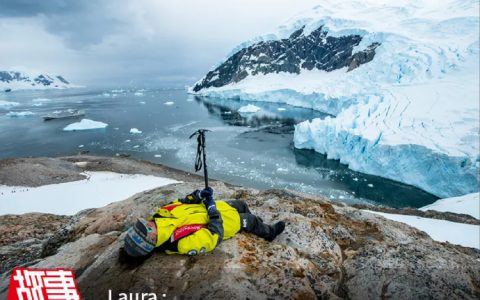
pixel 401 77
pixel 16 80
pixel 467 204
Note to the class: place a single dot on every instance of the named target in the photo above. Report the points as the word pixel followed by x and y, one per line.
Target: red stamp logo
pixel 43 284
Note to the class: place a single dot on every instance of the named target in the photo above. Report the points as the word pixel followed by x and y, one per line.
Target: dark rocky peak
pixel 44 79
pixel 8 76
pixel 316 50
pixel 63 80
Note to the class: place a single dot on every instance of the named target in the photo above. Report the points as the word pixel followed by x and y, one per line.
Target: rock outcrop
pixel 327 251
pixel 315 50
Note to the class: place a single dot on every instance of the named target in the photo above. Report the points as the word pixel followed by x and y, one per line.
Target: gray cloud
pixel 28 8
pixel 151 40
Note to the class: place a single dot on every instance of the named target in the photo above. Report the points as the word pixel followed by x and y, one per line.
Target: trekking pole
pixel 201 153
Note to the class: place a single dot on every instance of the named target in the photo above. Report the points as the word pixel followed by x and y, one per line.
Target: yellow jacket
pixel 177 214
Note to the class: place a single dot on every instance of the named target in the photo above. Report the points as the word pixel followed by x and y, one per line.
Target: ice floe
pixel 85 124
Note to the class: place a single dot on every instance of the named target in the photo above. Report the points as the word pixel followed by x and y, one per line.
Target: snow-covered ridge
pixel 16 80
pixel 410 114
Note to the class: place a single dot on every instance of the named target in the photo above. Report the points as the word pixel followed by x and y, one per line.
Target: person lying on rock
pixel 195 225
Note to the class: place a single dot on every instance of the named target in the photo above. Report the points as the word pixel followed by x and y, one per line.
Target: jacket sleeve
pixel 215 223
pixel 205 239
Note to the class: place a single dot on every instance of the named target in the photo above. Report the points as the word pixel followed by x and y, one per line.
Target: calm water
pixel 249 149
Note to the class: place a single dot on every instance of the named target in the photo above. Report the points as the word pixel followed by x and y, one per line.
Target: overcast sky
pixel 120 42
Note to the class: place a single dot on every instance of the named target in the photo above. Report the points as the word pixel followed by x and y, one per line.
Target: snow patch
pixel 440 230
pixel 99 189
pixel 467 204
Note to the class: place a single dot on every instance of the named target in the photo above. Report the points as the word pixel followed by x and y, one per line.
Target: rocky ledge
pixel 328 250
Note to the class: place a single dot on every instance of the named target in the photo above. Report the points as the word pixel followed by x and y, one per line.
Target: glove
pixel 207 194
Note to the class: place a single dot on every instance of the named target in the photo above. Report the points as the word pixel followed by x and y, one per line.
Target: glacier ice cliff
pixel 400 80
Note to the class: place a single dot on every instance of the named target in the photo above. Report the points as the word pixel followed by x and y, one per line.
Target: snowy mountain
pixel 400 77
pixel 20 80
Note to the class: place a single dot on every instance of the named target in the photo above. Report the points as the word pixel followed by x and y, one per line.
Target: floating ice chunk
pixel 127 141
pixel 41 100
pixel 15 114
pixel 281 109
pixel 135 131
pixel 282 170
pixel 138 94
pixel 370 185
pixel 106 94
pixel 5 103
pixel 157 155
pixel 81 146
pixel 169 103
pixel 249 109
pixel 85 124
pixel 136 146
pixel 142 102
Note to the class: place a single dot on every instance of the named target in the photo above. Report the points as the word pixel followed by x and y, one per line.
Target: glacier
pixel 411 114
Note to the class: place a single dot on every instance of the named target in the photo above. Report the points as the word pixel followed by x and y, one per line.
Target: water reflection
pixel 270 115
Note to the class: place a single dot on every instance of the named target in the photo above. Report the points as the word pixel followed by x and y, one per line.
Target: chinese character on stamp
pixel 43 284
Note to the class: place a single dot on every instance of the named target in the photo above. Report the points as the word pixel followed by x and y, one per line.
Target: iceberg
pixel 410 114
pixel 4 103
pixel 15 114
pixel 135 131
pixel 85 124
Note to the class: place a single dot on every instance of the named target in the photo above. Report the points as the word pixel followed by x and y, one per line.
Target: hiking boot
pixel 275 230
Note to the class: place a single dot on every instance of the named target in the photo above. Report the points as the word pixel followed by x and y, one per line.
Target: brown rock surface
pixel 327 251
